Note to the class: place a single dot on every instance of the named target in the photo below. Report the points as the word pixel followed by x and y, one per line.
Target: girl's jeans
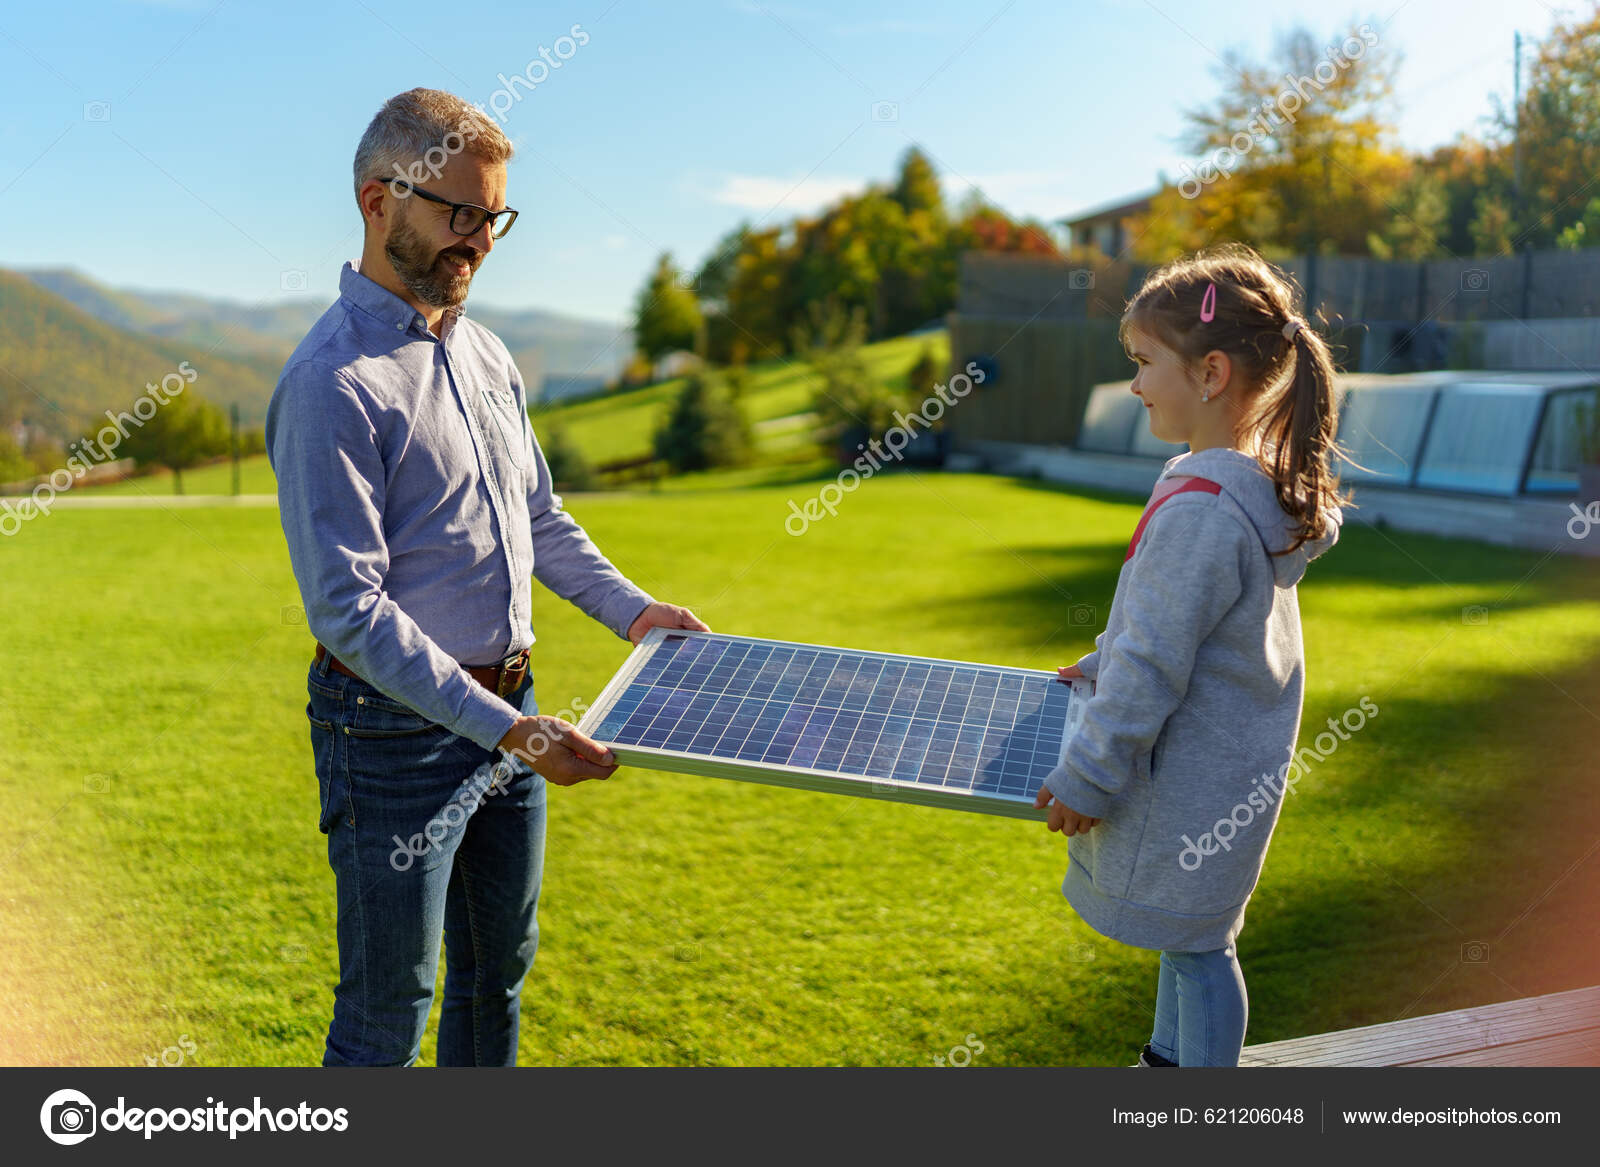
pixel 1201 1008
pixel 426 831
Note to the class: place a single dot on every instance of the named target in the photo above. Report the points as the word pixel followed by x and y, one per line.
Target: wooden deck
pixel 1561 1029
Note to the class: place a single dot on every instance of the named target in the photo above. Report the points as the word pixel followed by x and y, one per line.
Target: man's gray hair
pixel 417 131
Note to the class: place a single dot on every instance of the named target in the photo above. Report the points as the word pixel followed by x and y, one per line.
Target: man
pixel 415 502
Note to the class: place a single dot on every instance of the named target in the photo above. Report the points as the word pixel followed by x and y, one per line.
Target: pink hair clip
pixel 1208 304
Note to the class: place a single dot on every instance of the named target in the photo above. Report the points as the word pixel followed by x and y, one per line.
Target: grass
pixel 619 426
pixel 255 477
pixel 164 876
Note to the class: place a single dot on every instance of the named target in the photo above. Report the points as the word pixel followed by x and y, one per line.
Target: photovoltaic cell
pixel 943 733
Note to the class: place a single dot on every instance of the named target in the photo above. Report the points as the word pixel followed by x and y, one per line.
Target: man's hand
pixel 557 750
pixel 1068 672
pixel 1062 817
pixel 664 616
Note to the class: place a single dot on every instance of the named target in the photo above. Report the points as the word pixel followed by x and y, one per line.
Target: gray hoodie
pixel 1185 749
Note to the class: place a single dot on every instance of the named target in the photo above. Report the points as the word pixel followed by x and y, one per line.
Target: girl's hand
pixel 1062 817
pixel 1067 672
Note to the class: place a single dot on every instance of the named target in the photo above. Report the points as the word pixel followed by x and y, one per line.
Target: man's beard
pixel 426 273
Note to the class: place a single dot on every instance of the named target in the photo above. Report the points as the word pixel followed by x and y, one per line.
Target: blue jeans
pixel 1201 1008
pixel 426 830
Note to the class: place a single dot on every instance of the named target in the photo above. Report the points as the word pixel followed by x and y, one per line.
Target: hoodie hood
pixel 1244 481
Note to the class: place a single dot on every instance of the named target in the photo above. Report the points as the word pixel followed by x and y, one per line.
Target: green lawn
pixel 164 876
pixel 255 477
pixel 620 425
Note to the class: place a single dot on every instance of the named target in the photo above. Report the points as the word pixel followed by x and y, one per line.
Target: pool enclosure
pixel 1460 432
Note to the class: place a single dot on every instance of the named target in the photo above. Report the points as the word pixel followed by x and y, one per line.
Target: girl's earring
pixel 1206 396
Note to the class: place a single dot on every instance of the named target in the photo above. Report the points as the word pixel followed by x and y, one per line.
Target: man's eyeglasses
pixel 465 218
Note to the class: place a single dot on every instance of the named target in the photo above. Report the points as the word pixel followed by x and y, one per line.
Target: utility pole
pixel 233 411
pixel 1516 128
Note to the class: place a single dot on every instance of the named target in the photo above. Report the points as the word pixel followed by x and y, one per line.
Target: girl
pixel 1172 785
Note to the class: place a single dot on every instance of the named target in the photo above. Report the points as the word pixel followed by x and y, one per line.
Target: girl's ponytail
pixel 1298 428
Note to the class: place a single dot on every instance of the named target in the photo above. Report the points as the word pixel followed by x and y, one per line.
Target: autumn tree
pixel 1557 133
pixel 1295 155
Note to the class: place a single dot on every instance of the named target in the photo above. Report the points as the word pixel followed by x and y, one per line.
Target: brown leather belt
pixel 501 679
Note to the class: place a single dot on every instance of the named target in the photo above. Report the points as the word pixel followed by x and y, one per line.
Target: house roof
pixel 1117 210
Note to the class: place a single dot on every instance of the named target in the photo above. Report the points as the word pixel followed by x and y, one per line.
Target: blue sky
pixel 223 159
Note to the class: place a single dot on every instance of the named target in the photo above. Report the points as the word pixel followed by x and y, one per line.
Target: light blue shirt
pixel 416 502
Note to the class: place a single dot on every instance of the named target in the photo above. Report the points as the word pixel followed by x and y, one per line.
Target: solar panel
pixel 905 728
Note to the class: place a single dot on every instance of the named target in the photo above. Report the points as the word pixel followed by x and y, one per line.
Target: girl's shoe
pixel 1149 1057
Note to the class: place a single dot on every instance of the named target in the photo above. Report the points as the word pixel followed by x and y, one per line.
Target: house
pixel 1105 227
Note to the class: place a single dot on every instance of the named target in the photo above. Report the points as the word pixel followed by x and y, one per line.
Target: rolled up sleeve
pixel 325 452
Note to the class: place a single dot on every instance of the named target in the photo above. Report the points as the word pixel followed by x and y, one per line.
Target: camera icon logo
pixel 68 1117
pixel 885 111
pixel 97 111
pixel 1474 614
pixel 292 280
pixel 1475 279
pixel 1081 279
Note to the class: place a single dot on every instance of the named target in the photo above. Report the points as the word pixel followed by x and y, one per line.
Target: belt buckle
pixel 512 666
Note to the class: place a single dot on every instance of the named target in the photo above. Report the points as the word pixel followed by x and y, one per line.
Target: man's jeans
pixel 426 830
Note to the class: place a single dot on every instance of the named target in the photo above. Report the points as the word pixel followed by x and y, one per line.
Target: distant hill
pixel 61 367
pixel 544 344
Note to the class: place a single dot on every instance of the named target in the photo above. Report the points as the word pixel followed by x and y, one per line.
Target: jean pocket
pixel 333 789
pixel 376 716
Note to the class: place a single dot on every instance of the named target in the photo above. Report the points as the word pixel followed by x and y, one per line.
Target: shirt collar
pixel 389 309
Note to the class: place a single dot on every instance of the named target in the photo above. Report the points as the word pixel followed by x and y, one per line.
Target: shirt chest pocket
pixel 507 431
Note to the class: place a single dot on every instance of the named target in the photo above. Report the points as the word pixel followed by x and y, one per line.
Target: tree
pixel 705 428
pixel 183 433
pixel 667 316
pixel 717 271
pixel 1472 175
pixel 569 469
pixel 891 251
pixel 1419 218
pixel 927 372
pixel 761 298
pixel 14 464
pixel 917 188
pixel 852 404
pixel 1557 130
pixel 1296 155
